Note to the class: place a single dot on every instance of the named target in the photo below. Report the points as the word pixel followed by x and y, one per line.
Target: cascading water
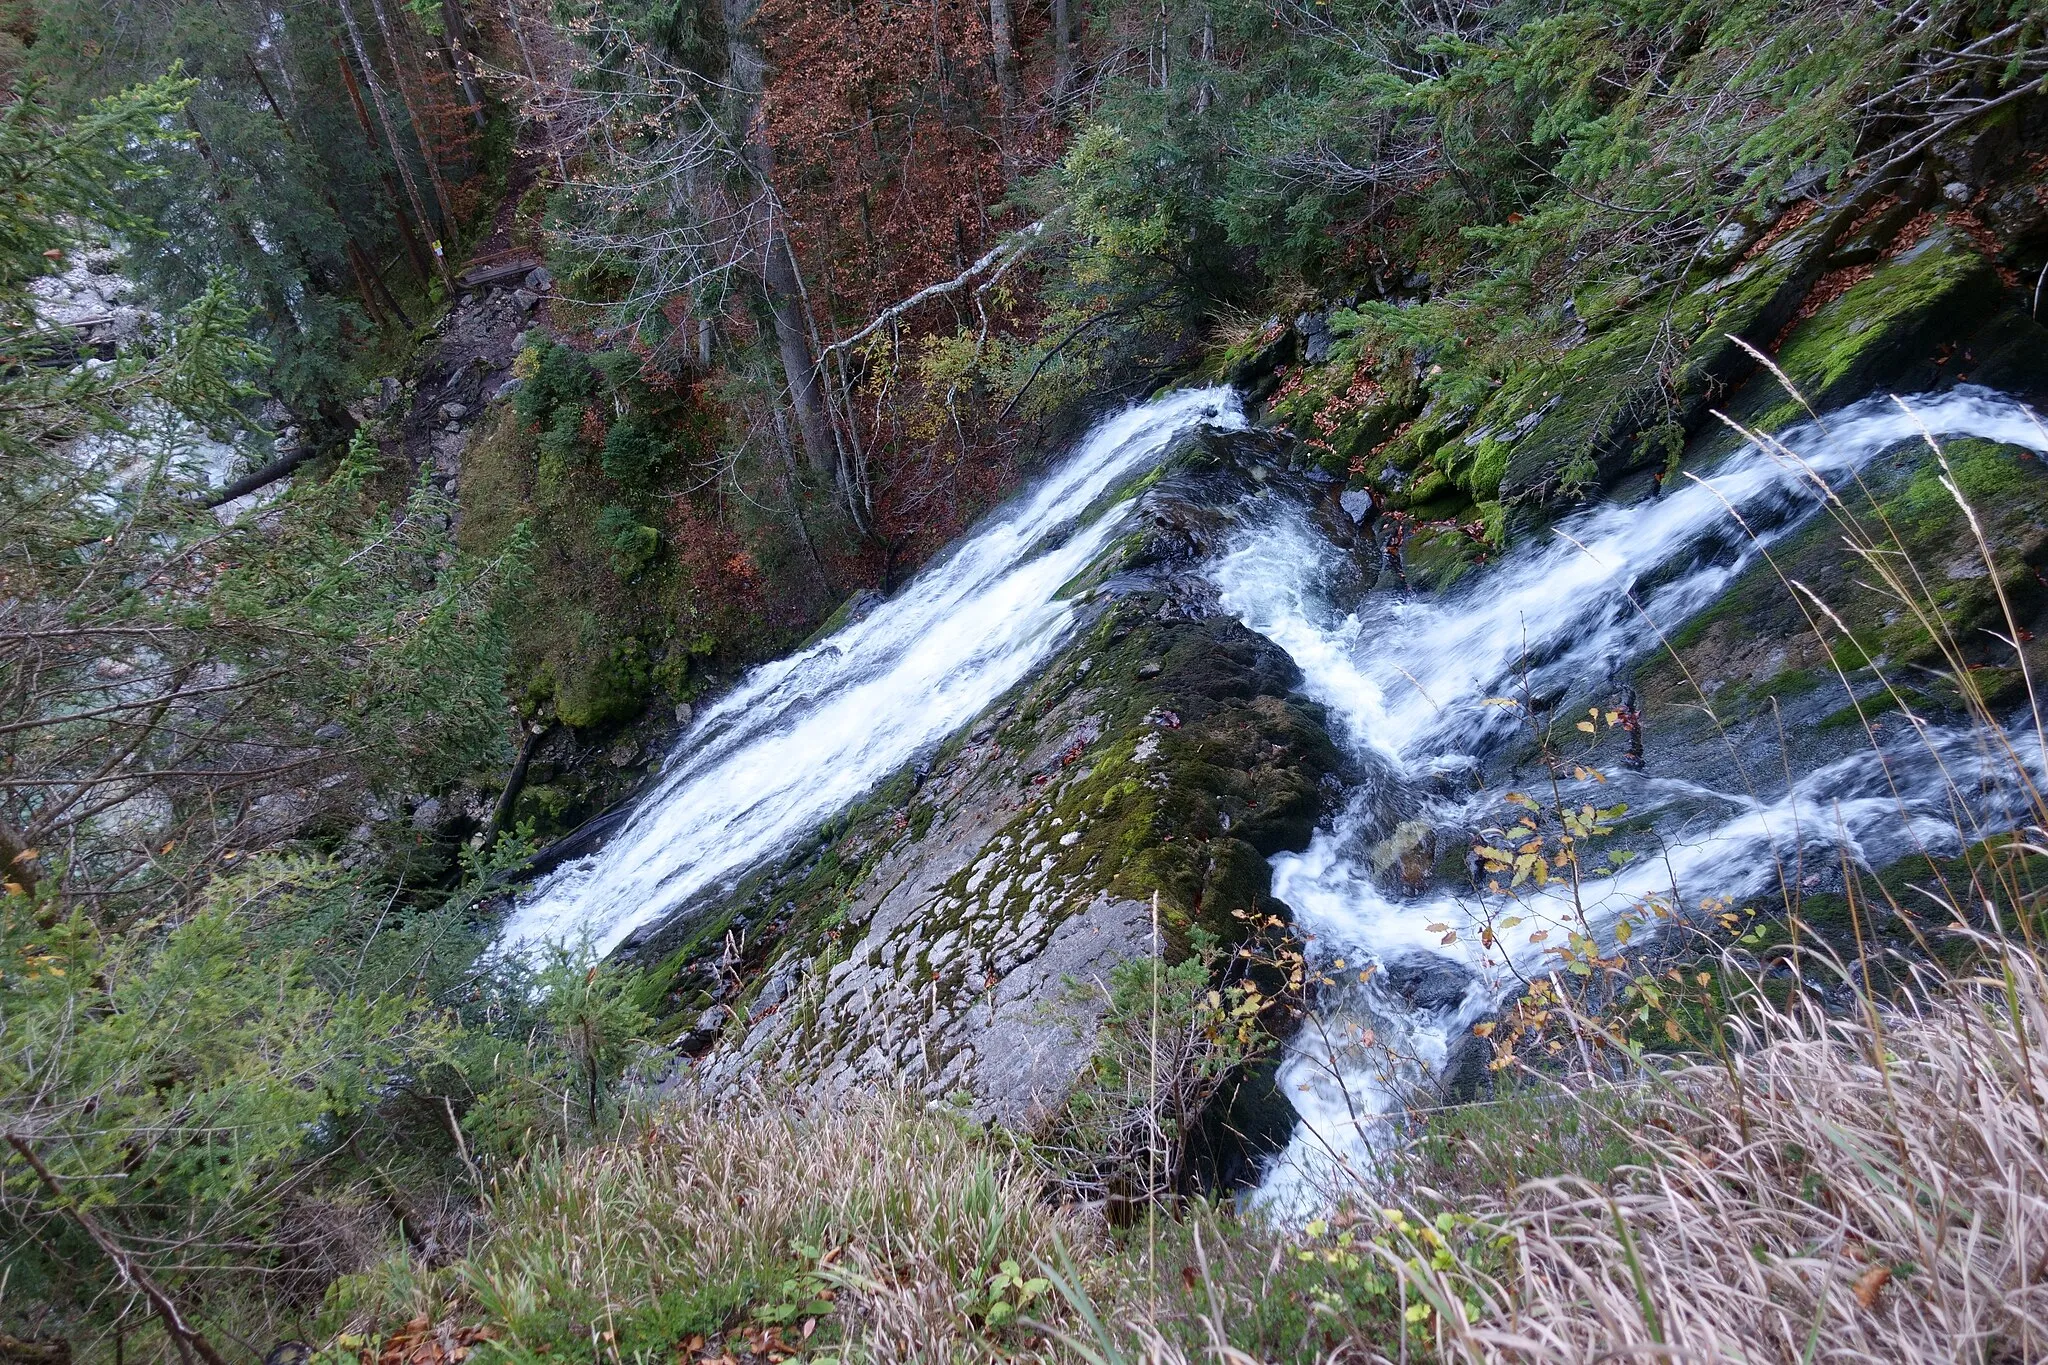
pixel 804 737
pixel 1412 684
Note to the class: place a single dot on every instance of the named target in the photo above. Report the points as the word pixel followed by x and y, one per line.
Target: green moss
pixel 1831 356
pixel 1854 715
pixel 1986 472
pixel 599 681
pixel 1488 466
pixel 1435 557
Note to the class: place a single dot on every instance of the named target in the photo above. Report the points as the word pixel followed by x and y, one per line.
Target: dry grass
pixel 710 1223
pixel 1867 1190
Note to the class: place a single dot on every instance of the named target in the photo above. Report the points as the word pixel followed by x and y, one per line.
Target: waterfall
pixel 1413 683
pixel 804 737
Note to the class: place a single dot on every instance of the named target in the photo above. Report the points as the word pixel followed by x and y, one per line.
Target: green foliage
pixel 632 451
pixel 1171 1041
pixel 633 546
pixel 57 174
pixel 171 1080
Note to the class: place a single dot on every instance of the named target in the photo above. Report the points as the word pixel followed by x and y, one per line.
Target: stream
pixel 802 738
pixel 1415 685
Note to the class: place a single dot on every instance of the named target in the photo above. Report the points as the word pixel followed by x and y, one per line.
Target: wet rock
pixel 1405 859
pixel 1427 982
pixel 685 713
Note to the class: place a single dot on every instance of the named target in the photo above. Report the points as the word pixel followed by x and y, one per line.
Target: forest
pixel 429 427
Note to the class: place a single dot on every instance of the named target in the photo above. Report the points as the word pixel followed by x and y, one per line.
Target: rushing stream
pixel 804 737
pixel 1413 685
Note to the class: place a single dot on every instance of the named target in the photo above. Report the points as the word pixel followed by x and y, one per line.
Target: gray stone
pixel 524 299
pixel 624 753
pixel 685 713
pixel 1957 193
pixel 1046 1013
pixel 1727 242
pixel 1151 668
pixel 331 733
pixel 539 279
pixel 427 814
pixel 1428 982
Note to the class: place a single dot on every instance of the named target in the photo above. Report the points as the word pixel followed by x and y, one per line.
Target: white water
pixel 1409 681
pixel 804 737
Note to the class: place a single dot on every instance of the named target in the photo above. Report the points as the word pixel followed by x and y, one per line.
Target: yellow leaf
pixel 1585 725
pixel 1624 930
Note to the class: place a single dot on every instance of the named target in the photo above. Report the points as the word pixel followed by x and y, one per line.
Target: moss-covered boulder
pixel 956 932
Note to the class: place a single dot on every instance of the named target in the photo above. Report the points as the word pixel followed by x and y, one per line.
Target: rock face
pixel 957 933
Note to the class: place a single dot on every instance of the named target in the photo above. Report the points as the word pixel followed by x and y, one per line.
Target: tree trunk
pixel 793 343
pixel 377 297
pixel 1062 50
pixel 415 249
pixel 412 190
pixel 419 129
pixel 274 301
pixel 779 282
pixel 461 34
pixel 533 85
pixel 1006 79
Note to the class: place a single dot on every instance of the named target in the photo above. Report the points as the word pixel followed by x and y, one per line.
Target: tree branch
pixel 1002 255
pixel 131 1272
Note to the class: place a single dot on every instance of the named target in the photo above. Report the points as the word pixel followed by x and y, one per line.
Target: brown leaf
pixel 1871 1283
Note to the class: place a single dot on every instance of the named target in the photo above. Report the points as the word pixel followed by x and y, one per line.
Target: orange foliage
pixel 885 126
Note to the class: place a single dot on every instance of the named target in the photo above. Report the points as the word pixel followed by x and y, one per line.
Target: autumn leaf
pixel 1870 1284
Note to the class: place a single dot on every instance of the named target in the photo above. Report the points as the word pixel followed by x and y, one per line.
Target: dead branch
pixel 997 259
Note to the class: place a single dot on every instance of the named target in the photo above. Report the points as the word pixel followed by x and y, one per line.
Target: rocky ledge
pixel 955 933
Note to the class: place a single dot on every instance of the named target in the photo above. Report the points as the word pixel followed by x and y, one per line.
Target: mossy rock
pixel 1599 410
pixel 1879 332
pixel 1159 753
pixel 1436 556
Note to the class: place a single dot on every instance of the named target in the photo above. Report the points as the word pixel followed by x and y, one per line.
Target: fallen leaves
pixel 421 1342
